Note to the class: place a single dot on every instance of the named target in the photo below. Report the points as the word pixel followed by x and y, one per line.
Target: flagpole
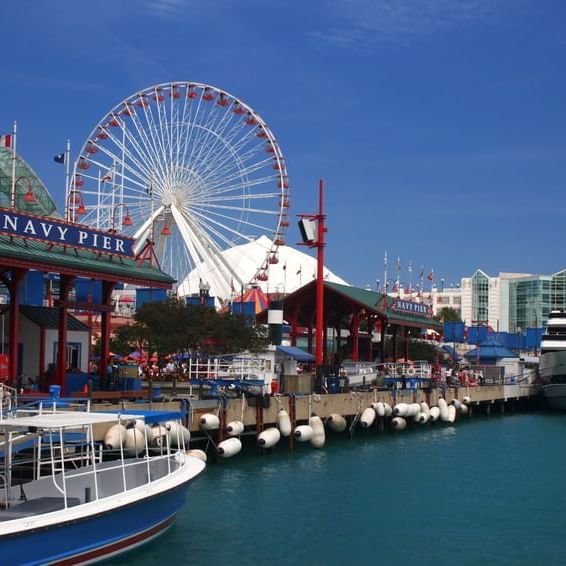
pixel 411 279
pixel 385 274
pixel 13 193
pixel 67 168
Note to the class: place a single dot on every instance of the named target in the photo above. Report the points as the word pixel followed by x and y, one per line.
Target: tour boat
pixel 65 498
pixel 552 362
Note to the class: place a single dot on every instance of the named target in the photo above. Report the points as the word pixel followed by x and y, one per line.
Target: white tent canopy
pixel 295 269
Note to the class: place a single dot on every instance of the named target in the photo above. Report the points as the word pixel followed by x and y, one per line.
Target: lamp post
pixel 125 220
pixel 29 196
pixel 75 205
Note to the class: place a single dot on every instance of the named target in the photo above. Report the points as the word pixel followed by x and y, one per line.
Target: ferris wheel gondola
pixel 190 168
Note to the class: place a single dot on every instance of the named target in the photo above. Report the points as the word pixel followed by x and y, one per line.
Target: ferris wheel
pixel 191 168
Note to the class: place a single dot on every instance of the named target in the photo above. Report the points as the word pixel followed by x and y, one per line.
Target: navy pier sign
pixel 59 232
pixel 409 307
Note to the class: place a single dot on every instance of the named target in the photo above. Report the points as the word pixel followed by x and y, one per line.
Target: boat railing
pixel 60 476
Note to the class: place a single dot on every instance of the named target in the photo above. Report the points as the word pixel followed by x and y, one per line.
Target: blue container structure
pixel 130 384
pixel 55 391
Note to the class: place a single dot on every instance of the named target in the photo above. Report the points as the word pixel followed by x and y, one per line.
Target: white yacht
pixel 553 360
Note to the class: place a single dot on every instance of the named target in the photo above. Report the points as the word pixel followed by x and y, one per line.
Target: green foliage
pixel 174 326
pixel 448 314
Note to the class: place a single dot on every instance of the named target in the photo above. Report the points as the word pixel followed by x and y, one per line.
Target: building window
pixel 73 355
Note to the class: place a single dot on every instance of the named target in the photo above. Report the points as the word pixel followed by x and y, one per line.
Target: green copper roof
pixel 112 267
pixel 48 317
pixel 25 178
pixel 371 299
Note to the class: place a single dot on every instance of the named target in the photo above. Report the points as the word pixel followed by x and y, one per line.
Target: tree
pixel 173 326
pixel 448 314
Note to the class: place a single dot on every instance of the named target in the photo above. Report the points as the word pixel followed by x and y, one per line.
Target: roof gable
pixel 48 318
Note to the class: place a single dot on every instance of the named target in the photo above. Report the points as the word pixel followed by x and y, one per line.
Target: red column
pixel 65 284
pixel 14 330
pixel 320 278
pixel 41 364
pixel 371 322
pixel 354 332
pixel 107 288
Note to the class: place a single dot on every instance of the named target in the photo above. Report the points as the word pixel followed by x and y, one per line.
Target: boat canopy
pixel 64 420
pixel 296 353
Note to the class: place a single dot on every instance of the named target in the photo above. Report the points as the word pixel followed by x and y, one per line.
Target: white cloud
pixel 166 9
pixel 363 23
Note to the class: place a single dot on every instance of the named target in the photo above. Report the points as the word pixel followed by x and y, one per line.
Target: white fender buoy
pixel 379 409
pixel 336 422
pixel 229 447
pixel 400 410
pixel 457 404
pixel 284 423
pixel 425 409
pixel 464 409
pixel 466 400
pixel 159 435
pixel 398 423
pixel 134 441
pixel 443 409
pixel 434 414
pixel 235 428
pixel 143 428
pixel 303 433
pixel 388 409
pixel 367 418
pixel 414 409
pixel 451 413
pixel 179 436
pixel 209 421
pixel 269 437
pixel 318 438
pixel 112 437
pixel 196 453
pixel 421 418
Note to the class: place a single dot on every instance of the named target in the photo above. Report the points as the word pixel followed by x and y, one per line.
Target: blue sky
pixel 438 125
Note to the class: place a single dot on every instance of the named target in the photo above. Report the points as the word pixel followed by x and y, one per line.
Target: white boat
pixel 552 362
pixel 65 500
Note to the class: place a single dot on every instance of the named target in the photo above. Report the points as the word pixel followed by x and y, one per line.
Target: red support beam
pixel 14 330
pixel 41 361
pixel 107 288
pixel 65 284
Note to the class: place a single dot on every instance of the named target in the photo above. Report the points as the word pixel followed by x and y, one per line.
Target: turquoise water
pixel 490 491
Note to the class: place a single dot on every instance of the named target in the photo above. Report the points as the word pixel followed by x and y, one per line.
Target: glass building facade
pixel 480 297
pixel 530 301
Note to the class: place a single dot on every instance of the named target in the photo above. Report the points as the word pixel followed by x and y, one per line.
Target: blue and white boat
pixel 65 498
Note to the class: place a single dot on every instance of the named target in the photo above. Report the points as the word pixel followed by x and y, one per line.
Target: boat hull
pixel 552 367
pixel 95 537
pixel 555 395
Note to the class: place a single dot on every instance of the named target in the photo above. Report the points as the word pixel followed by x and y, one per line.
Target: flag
pixel 232 288
pixel 285 266
pixel 300 270
pixel 59 158
pixel 109 175
pixel 6 140
pixel 430 276
pixel 398 264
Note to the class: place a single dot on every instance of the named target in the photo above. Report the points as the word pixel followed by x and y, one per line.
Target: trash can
pixel 156 392
pixel 55 391
pixel 333 384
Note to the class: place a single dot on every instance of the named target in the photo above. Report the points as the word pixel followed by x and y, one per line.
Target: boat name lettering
pixel 59 232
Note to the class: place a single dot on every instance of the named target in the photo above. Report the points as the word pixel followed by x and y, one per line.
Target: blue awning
pixel 296 353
